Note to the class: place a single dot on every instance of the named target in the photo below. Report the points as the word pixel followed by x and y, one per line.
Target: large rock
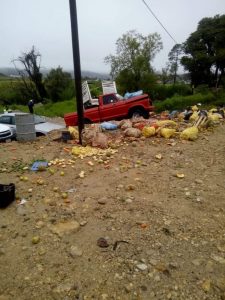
pixel 64 228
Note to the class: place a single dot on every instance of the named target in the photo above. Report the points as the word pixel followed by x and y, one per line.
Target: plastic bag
pixel 73 132
pixel 194 108
pixel 214 117
pixel 194 116
pixel 132 132
pixel 88 135
pixel 167 132
pixel 100 140
pixel 148 131
pixel 170 123
pixel 190 133
pixel 134 94
pixel 125 124
pixel 181 117
pixel 108 126
pixel 139 125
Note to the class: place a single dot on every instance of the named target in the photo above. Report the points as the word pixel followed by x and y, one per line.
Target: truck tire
pixel 139 112
pixel 87 121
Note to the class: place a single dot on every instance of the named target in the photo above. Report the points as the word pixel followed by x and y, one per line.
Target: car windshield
pixel 6 119
pixel 38 119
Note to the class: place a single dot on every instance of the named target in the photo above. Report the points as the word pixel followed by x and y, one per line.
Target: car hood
pixel 47 127
pixel 4 127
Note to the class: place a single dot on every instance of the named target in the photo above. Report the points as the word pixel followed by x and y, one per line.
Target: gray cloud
pixel 46 24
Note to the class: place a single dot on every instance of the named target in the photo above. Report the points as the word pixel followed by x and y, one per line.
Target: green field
pixel 176 98
pixel 48 110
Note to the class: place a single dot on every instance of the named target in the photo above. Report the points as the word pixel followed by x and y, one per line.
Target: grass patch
pixel 182 102
pixel 57 109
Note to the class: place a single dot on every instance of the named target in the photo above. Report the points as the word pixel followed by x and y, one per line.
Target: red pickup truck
pixel 113 106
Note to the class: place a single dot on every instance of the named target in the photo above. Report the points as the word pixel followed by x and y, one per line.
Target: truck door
pixel 112 107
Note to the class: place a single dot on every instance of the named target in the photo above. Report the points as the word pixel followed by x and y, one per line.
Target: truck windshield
pixel 108 99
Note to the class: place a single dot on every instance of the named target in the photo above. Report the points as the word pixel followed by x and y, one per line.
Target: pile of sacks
pixel 162 128
pixel 194 112
pixel 184 125
pixel 91 135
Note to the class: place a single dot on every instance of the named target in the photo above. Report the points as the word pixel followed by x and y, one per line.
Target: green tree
pixel 165 75
pixel 30 74
pixel 131 66
pixel 174 60
pixel 205 52
pixel 58 83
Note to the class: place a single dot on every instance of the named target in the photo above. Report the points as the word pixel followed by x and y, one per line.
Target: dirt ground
pixel 129 228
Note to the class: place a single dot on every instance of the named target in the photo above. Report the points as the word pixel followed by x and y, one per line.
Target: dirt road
pixel 163 237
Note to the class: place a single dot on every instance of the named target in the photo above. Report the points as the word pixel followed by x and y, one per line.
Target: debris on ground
pixel 141 219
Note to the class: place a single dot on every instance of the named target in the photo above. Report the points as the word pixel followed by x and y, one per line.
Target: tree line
pixel 202 55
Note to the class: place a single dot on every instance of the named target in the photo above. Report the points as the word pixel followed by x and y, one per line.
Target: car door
pixel 112 107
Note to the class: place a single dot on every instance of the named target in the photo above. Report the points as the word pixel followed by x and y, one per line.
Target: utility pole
pixel 77 69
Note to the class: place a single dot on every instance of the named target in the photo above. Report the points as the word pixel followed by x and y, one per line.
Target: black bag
pixel 7 194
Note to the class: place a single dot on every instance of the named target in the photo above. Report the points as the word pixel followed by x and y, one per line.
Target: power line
pixel 154 15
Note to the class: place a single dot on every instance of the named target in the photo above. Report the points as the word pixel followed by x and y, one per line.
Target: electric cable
pixel 154 15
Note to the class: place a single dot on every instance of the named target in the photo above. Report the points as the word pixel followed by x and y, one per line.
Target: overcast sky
pixel 46 25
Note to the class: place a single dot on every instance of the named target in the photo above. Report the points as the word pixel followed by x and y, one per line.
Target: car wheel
pixel 137 113
pixel 39 134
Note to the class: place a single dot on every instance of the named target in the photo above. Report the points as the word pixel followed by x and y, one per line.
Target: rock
pixel 196 262
pixel 209 267
pixel 75 251
pixel 102 201
pixel 220 284
pixel 206 285
pixel 102 243
pixel 40 268
pixel 64 287
pixel 130 187
pixel 128 200
pixel 42 251
pixel 142 267
pixel 39 224
pixel 198 181
pixel 21 210
pixel 128 287
pixel 63 228
pixel 153 262
pixel 144 288
pixel 221 248
pixel 157 278
pixel 120 186
pixel 167 231
pixel 2 251
pixel 83 223
pixel 173 265
pixel 218 259
pixel 50 202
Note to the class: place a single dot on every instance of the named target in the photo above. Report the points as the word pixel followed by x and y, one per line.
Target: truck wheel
pixel 87 121
pixel 139 113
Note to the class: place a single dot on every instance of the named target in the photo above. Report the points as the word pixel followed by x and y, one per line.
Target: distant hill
pixel 85 74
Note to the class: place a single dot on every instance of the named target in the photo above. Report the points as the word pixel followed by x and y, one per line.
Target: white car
pixel 6 133
pixel 42 127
